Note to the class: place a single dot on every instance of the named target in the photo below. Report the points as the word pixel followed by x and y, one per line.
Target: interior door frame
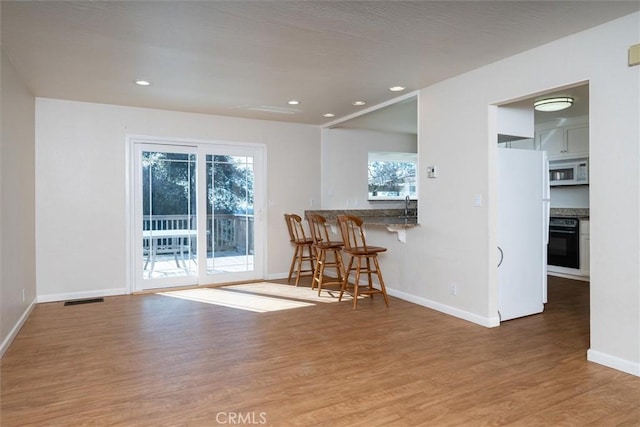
pixel 260 206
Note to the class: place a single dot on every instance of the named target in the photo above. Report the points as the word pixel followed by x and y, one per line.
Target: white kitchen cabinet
pixel 564 142
pixel 552 141
pixel 577 141
pixel 584 248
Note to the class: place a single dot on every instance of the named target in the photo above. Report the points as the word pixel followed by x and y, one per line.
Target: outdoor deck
pixel 166 266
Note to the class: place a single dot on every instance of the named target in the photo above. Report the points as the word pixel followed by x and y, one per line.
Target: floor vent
pixel 84 301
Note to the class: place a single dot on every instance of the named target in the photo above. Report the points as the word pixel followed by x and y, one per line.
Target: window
pixel 392 175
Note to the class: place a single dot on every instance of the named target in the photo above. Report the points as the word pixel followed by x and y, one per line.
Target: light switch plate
pixel 432 172
pixel 634 55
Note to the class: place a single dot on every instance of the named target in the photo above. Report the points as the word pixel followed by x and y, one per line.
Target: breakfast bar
pixel 394 220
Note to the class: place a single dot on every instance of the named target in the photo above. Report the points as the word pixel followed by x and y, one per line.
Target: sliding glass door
pixel 196 219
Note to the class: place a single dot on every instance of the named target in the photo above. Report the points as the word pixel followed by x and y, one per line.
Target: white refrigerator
pixel 523 232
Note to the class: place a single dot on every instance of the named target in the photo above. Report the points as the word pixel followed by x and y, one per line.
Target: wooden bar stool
pixel 303 248
pixel 324 246
pixel 361 257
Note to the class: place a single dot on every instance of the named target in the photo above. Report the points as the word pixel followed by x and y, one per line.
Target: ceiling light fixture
pixel 142 83
pixel 553 104
pixel 358 103
pixel 293 102
pixel 397 88
pixel 328 115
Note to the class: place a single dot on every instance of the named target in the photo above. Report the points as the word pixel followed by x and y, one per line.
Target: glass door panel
pixel 230 220
pixel 166 216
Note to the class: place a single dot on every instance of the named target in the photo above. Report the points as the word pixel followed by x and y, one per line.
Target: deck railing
pixel 225 232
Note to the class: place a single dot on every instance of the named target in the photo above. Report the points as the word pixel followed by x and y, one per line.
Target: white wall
pixel 17 195
pixel 344 167
pixel 456 241
pixel 81 191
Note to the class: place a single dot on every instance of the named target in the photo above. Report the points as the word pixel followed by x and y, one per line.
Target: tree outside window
pixel 392 175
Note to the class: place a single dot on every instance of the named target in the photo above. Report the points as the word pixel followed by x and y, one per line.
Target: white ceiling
pixel 247 58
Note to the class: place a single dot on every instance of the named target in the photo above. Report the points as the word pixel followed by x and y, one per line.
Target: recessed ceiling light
pixel 328 115
pixel 397 88
pixel 293 102
pixel 553 104
pixel 142 83
pixel 358 103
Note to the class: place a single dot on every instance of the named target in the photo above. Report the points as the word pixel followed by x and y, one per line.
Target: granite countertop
pixel 580 213
pixel 385 217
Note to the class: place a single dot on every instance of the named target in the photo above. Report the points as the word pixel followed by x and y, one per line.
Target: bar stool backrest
pixel 318 227
pixel 352 232
pixel 295 227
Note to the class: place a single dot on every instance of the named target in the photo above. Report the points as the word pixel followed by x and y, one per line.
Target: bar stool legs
pixel 356 289
pixel 322 262
pixel 299 258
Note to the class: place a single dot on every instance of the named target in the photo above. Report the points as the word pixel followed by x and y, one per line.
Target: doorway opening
pixel 564 136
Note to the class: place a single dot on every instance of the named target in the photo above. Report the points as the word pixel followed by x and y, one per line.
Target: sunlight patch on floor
pixel 288 291
pixel 239 300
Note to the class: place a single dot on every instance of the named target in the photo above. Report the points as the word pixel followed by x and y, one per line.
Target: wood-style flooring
pixel 154 360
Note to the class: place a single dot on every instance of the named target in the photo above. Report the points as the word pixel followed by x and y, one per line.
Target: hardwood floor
pixel 154 360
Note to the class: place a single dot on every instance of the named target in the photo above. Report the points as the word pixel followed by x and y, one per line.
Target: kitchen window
pixel 392 175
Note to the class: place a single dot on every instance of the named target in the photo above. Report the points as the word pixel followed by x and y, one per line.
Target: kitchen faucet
pixel 407 201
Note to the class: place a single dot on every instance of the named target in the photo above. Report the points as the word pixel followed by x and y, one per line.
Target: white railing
pixel 168 222
pixel 225 233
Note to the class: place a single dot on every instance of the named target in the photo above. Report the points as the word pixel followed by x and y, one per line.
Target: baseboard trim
pixel 16 328
pixel 568 276
pixel 489 322
pixel 277 276
pixel 614 362
pixel 81 295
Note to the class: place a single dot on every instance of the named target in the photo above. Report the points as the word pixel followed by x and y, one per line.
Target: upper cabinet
pixel 577 140
pixel 566 139
pixel 564 142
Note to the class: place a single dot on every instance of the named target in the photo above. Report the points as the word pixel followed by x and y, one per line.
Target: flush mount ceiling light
pixel 553 104
pixel 328 115
pixel 293 102
pixel 397 88
pixel 358 103
pixel 142 83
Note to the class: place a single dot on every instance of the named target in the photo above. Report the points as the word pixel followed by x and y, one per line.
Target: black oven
pixel 564 242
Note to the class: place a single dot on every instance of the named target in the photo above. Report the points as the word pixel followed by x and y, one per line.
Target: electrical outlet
pixel 453 289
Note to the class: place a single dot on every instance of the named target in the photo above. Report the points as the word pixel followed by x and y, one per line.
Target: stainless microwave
pixel 569 172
